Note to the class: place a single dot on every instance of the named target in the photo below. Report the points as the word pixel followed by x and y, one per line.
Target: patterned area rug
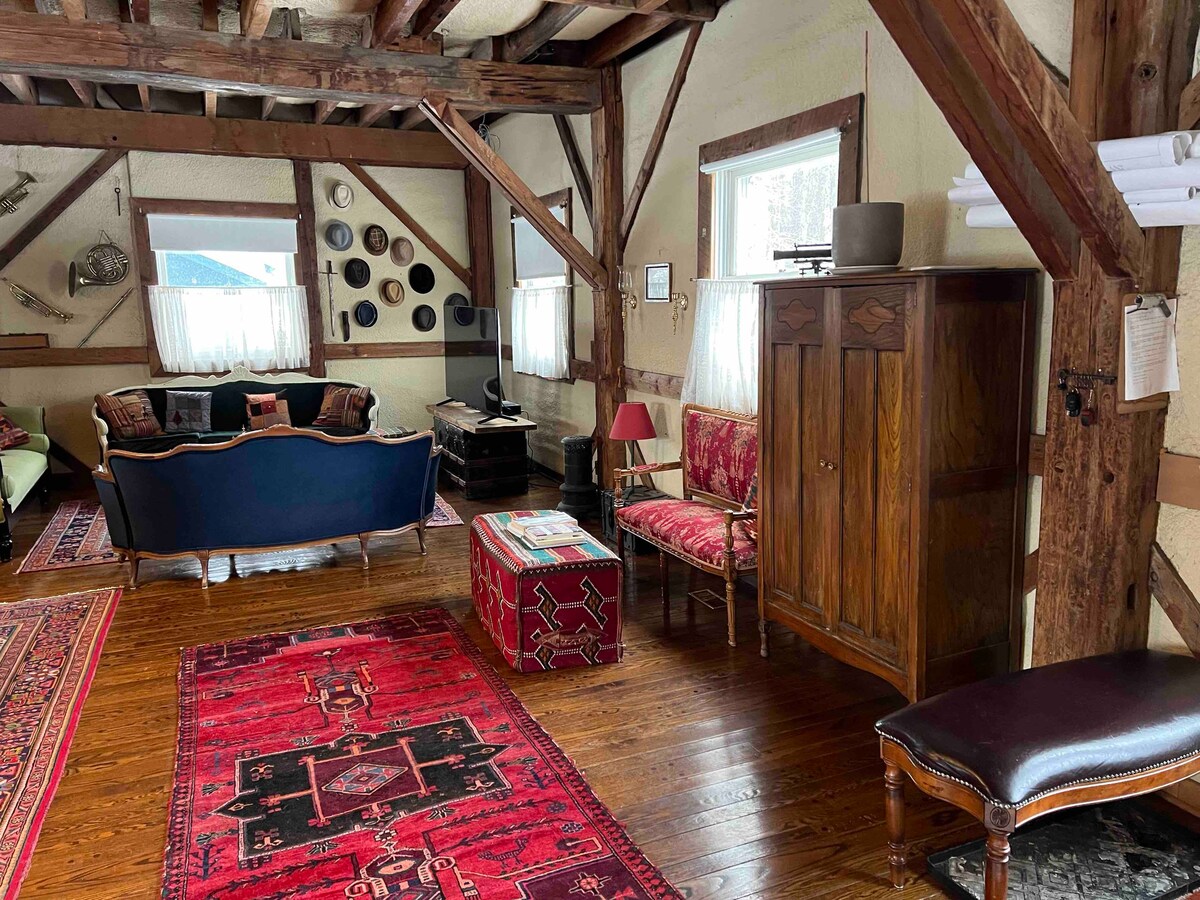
pixel 385 759
pixel 443 514
pixel 1117 851
pixel 76 536
pixel 48 653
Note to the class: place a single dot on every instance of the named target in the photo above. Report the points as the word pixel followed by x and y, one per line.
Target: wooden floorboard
pixel 740 777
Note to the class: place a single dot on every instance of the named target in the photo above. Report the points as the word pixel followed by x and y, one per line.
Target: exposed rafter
pixel 525 42
pixel 322 110
pixel 391 19
pixel 698 10
pixel 184 59
pixel 583 181
pixel 372 113
pixel 255 16
pixel 21 87
pixel 431 15
pixel 460 133
pixel 621 37
pixel 101 128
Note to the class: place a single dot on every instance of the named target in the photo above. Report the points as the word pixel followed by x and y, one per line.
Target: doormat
pixel 381 759
pixel 49 649
pixel 1116 851
pixel 76 536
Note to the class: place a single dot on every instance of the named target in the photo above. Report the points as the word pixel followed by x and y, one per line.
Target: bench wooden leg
pixel 730 610
pixel 664 587
pixel 996 874
pixel 893 779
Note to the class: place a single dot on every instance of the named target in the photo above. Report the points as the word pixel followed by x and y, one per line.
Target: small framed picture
pixel 658 283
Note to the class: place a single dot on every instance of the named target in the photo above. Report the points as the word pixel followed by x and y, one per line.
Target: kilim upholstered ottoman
pixel 545 609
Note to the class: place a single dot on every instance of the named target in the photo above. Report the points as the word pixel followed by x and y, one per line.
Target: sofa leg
pixel 730 590
pixel 363 540
pixel 133 571
pixel 233 573
pixel 203 557
pixel 664 587
pixel 996 874
pixel 421 538
pixel 893 779
pixel 764 638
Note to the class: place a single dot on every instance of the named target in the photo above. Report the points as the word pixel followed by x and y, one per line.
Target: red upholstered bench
pixel 545 609
pixel 709 528
pixel 1015 747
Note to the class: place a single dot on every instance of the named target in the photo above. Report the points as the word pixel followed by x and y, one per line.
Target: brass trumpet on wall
pixel 30 301
pixel 11 198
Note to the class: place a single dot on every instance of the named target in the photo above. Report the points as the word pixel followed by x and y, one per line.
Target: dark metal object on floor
pixel 636 494
pixel 580 497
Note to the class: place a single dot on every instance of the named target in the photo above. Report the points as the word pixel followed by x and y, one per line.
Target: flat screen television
pixel 473 357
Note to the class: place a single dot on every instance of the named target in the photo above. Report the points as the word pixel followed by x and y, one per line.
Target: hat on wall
pixel 339 235
pixel 357 272
pixel 375 239
pixel 424 318
pixel 341 195
pixel 402 251
pixel 391 292
pixel 365 313
pixel 420 278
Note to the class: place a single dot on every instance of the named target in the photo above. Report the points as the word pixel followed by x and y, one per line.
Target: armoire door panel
pixel 780 502
pixel 858 490
pixel 892 505
pixel 797 316
pixel 817 527
pixel 873 316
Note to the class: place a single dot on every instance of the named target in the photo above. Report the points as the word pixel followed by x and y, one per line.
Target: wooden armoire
pixel 894 416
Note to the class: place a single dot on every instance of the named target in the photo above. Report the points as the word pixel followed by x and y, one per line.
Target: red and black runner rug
pixel 48 653
pixel 384 759
pixel 76 536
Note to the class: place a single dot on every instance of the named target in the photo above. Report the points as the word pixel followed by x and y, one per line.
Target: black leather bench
pixel 1012 748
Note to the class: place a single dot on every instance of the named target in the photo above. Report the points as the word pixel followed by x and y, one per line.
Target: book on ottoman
pixel 545 608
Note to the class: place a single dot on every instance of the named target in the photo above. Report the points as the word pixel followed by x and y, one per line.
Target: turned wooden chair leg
pixel 893 779
pixel 730 591
pixel 421 538
pixel 203 557
pixel 995 885
pixel 363 540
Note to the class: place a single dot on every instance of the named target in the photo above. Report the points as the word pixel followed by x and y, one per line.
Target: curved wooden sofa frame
pixel 1002 821
pixel 135 557
pixel 208 382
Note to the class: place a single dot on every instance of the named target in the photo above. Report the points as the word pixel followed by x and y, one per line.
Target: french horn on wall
pixel 106 265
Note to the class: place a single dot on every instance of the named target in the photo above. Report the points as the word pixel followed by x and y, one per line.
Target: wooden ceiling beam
pixel 583 181
pixel 322 110
pixel 525 42
pixel 372 113
pixel 696 11
pixel 659 135
pixel 184 59
pixel 255 16
pixel 74 9
pixel 622 37
pixel 85 91
pixel 391 19
pixel 953 83
pixel 431 15
pixel 210 21
pixel 268 107
pixel 106 129
pixel 21 87
pixel 1189 105
pixel 1010 70
pixel 144 97
pixel 459 132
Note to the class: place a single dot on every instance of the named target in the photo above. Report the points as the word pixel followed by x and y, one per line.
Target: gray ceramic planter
pixel 868 234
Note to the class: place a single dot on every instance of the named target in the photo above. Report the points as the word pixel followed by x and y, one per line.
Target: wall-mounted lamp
pixel 629 299
pixel 679 301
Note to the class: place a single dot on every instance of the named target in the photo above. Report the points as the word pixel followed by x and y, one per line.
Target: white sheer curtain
pixel 722 369
pixel 207 329
pixel 541 326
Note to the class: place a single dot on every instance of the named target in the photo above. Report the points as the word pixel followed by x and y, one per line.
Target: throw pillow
pixel 342 406
pixel 750 504
pixel 129 415
pixel 189 411
pixel 265 410
pixel 11 434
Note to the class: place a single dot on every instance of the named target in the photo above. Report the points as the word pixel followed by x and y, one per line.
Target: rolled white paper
pixel 1160 195
pixel 1193 150
pixel 967 182
pixel 1144 152
pixel 1158 215
pixel 977 195
pixel 991 216
pixel 1185 175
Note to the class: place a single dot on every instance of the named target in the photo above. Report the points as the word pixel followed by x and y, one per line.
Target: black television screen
pixel 473 357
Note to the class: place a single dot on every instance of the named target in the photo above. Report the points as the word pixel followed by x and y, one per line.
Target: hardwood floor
pixel 740 777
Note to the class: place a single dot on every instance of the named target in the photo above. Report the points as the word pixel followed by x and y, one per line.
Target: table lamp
pixel 632 424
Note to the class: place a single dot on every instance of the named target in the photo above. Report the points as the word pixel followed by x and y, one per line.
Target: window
pixel 542 321
pixel 226 293
pixel 773 199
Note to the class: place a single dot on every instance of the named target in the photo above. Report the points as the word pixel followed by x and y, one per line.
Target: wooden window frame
pixel 844 115
pixel 147 265
pixel 564 198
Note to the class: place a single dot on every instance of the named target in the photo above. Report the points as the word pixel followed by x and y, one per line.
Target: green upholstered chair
pixel 22 469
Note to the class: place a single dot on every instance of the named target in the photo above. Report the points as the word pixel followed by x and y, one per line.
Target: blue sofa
pixel 266 490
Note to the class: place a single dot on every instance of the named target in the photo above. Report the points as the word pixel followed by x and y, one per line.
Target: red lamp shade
pixel 632 423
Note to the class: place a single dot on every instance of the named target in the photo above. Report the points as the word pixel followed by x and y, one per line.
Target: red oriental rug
pixel 48 654
pixel 385 759
pixel 76 536
pixel 443 514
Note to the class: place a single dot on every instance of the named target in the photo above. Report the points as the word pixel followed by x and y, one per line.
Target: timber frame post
pixel 608 201
pixel 1099 511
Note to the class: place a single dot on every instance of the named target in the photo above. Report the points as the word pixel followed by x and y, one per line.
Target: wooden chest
pixel 894 422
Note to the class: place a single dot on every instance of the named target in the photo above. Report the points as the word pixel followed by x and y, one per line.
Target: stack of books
pixel 546 531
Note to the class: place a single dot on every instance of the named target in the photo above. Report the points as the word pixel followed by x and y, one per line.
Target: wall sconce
pixel 629 299
pixel 679 301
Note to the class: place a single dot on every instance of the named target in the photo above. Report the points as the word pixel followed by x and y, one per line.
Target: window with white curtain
pixel 722 369
pixel 227 294
pixel 541 330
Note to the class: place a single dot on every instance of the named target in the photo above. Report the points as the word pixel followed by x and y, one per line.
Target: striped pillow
pixel 129 415
pixel 11 434
pixel 342 406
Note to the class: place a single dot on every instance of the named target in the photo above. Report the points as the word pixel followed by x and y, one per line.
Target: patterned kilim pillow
pixel 11 434
pixel 265 410
pixel 342 406
pixel 189 411
pixel 750 504
pixel 129 415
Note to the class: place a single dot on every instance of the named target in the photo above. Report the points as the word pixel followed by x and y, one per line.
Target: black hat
pixel 358 273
